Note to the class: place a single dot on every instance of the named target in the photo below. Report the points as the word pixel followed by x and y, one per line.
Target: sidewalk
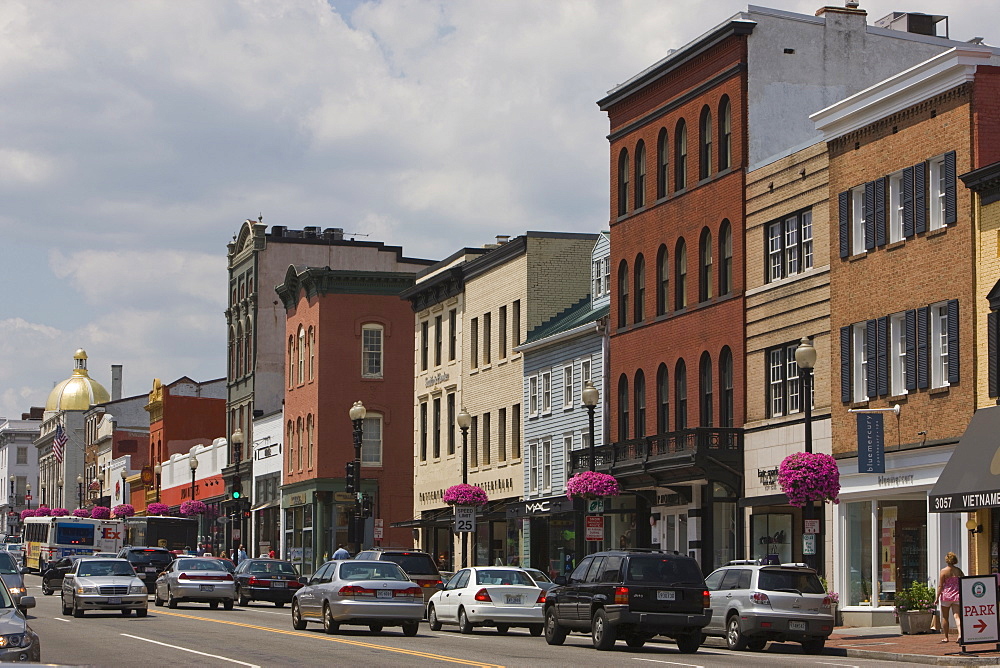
pixel 887 643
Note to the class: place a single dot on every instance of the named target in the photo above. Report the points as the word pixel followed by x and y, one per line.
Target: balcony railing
pixel 724 445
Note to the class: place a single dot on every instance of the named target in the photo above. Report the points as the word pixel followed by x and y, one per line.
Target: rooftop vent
pixel 310 232
pixel 278 230
pixel 335 233
pixel 915 22
pixel 502 239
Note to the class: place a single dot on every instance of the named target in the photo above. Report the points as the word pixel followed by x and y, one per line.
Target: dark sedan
pixel 55 570
pixel 266 580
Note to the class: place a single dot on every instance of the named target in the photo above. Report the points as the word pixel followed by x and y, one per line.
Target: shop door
pixel 673 528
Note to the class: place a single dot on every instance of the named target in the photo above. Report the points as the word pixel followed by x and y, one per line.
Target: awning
pixel 767 500
pixel 971 478
pixel 273 503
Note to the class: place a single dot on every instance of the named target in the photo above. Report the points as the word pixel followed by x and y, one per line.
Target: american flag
pixel 59 443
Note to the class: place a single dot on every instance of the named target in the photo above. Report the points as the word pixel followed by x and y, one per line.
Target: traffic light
pixel 237 487
pixel 366 506
pixel 351 481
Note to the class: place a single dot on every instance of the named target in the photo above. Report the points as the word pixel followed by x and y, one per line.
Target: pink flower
pixel 43 512
pixel 59 512
pixel 195 507
pixel 809 476
pixel 465 495
pixel 101 513
pixel 157 508
pixel 592 485
pixel 123 510
pixel 27 513
pixel 81 512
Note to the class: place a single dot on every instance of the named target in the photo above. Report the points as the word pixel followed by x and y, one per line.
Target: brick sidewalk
pixel 889 641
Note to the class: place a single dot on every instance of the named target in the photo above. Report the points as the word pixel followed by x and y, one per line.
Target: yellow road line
pixel 343 641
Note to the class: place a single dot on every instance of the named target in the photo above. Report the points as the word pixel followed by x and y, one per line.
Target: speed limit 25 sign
pixel 465 519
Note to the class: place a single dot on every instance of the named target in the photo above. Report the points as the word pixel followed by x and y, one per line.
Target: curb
pixel 924 659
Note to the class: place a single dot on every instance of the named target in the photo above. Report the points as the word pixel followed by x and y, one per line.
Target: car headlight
pixel 86 590
pixel 16 590
pixel 15 640
pixel 137 589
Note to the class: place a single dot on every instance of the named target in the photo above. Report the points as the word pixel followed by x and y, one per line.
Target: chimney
pixel 502 239
pixel 116 382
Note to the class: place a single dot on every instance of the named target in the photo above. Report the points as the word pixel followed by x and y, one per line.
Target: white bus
pixel 48 538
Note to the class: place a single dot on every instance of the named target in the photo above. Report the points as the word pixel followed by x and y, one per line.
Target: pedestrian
pixel 271 554
pixel 241 555
pixel 341 552
pixel 947 594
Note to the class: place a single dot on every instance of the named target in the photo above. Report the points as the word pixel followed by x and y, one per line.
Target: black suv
pixel 148 562
pixel 630 595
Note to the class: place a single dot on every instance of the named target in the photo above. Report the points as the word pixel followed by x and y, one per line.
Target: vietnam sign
pixel 978 607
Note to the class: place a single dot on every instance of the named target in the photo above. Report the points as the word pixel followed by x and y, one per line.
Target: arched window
pixel 680 396
pixel 298 443
pixel 680 281
pixel 623 408
pixel 640 287
pixel 291 362
pixel 300 347
pixel 705 144
pixel 623 293
pixel 312 353
pixel 705 393
pixel 623 169
pixel 681 159
pixel 705 267
pixel 640 174
pixel 662 280
pixel 726 387
pixel 232 353
pixel 725 134
pixel 289 440
pixel 309 440
pixel 239 349
pixel 662 400
pixel 247 350
pixel 662 162
pixel 726 266
pixel 640 404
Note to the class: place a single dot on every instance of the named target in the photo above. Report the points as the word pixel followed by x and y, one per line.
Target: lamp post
pixel 237 440
pixel 27 495
pixel 124 475
pixel 193 463
pixel 158 470
pixel 357 414
pixel 60 500
pixel 805 359
pixel 79 490
pixel 464 422
pixel 590 399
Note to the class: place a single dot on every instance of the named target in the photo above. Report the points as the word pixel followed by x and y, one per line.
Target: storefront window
pixel 859 552
pixel 902 539
pixel 771 534
pixel 724 525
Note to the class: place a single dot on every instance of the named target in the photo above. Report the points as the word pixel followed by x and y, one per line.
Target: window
pixel 639 275
pixel 546 392
pixel 897 354
pixel 300 351
pixel 858 220
pixel 452 334
pixel 474 435
pixel 662 400
pixel 623 294
pixel 939 344
pixel 371 351
pixel 22 456
pixel 705 373
pixel 596 276
pixel 726 267
pixel 546 465
pixel 423 345
pixel 533 395
pixel 487 336
pixel 310 441
pixel 790 246
pixel 895 208
pixel 680 395
pixel 371 441
pixel 606 261
pixel 289 440
pixel 680 284
pixel 640 174
pixel 502 333
pixel 662 280
pixel 623 416
pixel 783 387
pixel 935 199
pixel 662 162
pixel 298 443
pixel 312 353
pixel 487 434
pixel 437 428
pixel 725 134
pixel 515 432
pixel 705 161
pixel 438 340
pixel 291 362
pixel 423 431
pixel 705 273
pixel 451 423
pixel 568 457
pixel 584 377
pixel 474 343
pixel 533 466
pixel 516 315
pixel 502 435
pixel 680 161
pixel 623 169
pixel 859 356
pixel 726 408
pixel 567 386
pixel 640 404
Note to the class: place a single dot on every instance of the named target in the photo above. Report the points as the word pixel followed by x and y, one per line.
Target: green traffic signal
pixel 237 494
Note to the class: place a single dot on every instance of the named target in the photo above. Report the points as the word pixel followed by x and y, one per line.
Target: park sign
pixel 978 607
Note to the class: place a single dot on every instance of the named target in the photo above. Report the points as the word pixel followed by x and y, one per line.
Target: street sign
pixel 343 497
pixel 595 506
pixel 27 497
pixel 809 543
pixel 811 526
pixel 978 606
pixel 465 519
pixel 379 530
pixel 595 527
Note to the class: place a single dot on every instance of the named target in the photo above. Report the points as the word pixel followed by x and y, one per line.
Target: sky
pixel 137 135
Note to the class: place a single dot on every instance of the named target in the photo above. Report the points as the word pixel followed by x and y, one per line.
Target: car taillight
pixel 412 592
pixel 826 601
pixel 760 598
pixel 484 596
pixel 351 590
pixel 294 583
pixel 253 580
pixel 430 583
pixel 541 597
pixel 621 595
pixel 706 599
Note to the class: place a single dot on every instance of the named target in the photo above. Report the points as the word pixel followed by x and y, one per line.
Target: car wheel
pixel 602 632
pixel 734 636
pixel 535 629
pixel 432 619
pixel 157 601
pixel 244 601
pixel 635 642
pixel 502 629
pixel 375 628
pixel 65 608
pixel 214 605
pixel 126 612
pixel 813 646
pixel 141 612
pixel 171 601
pixel 279 604
pixel 46 589
pixel 464 625
pixel 410 628
pixel 554 634
pixel 689 643
pixel 77 612
pixel 298 623
pixel 228 604
pixel 329 625
pixel 757 644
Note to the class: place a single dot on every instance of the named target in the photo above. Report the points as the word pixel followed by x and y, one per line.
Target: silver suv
pixel 753 603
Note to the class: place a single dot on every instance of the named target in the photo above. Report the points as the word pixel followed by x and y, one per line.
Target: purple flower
pixel 157 508
pixel 59 512
pixel 195 507
pixel 465 495
pixel 809 476
pixel 81 512
pixel 101 513
pixel 123 510
pixel 592 485
pixel 43 511
pixel 27 513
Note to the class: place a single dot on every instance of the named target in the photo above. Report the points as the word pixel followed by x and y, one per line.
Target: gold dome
pixel 78 392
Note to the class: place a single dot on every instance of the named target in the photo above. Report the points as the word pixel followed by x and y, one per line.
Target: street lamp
pixel 590 399
pixel 193 463
pixel 124 475
pixel 27 496
pixel 158 470
pixel 79 490
pixel 357 414
pixel 805 359
pixel 60 484
pixel 237 439
pixel 464 422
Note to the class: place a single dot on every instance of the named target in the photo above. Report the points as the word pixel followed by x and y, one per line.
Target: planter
pixel 912 622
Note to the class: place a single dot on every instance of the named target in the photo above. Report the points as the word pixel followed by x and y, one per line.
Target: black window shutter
pixel 950 201
pixel 845 224
pixel 992 321
pixel 953 356
pixel 870 215
pixel 911 350
pixel 880 188
pixel 871 357
pixel 845 364
pixel 883 356
pixel 922 370
pixel 920 198
pixel 908 202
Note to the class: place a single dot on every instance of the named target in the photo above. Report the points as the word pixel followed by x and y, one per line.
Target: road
pixel 262 635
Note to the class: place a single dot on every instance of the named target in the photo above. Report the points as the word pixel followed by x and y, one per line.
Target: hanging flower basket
pixel 123 510
pixel 27 513
pixel 189 508
pixel 43 511
pixel 81 512
pixel 101 513
pixel 465 495
pixel 157 508
pixel 59 512
pixel 809 476
pixel 592 485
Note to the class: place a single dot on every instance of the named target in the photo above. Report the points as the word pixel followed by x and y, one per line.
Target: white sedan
pixel 497 596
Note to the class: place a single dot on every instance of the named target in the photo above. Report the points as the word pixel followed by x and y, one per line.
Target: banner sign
pixel 977 600
pixel 871 443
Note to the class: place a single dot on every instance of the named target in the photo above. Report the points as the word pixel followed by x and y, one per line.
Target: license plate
pixel 666 596
pixel 208 587
pixel 278 584
pixel 114 600
pixel 142 576
pixel 796 626
pixel 383 593
pixel 150 569
pixel 515 600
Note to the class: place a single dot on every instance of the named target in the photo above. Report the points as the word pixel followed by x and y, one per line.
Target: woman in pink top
pixel 947 593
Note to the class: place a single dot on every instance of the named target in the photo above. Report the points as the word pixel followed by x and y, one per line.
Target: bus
pixel 48 538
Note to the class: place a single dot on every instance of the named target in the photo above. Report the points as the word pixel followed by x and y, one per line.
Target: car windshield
pixel 149 557
pixel 7 564
pixel 803 582
pixel 669 571
pixel 103 567
pixel 538 575
pixel 199 565
pixel 371 571
pixel 414 564
pixel 225 565
pixel 503 577
pixel 272 567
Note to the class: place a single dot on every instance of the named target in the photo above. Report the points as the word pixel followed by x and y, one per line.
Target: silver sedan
pixel 197 580
pixel 103 584
pixel 375 594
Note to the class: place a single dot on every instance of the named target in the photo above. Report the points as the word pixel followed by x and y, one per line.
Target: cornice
pixel 316 281
pixel 985 181
pixel 435 290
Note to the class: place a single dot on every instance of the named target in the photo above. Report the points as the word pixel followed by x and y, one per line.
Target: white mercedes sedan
pixel 491 596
